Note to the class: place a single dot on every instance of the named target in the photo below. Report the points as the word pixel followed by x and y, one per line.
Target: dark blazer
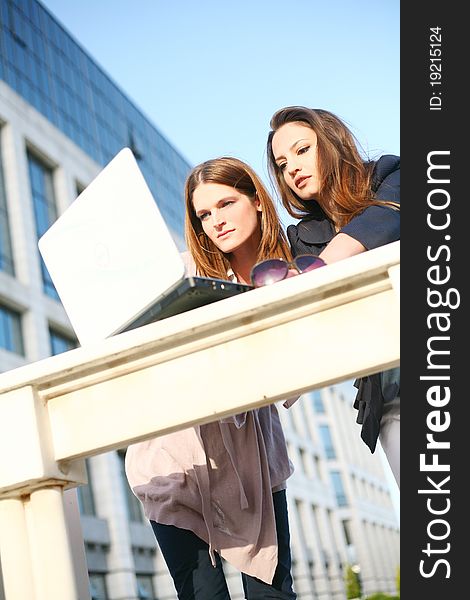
pixel 374 227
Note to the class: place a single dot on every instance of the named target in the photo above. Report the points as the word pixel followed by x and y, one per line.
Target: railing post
pixel 42 558
pixel 52 556
pixel 38 562
pixel 18 580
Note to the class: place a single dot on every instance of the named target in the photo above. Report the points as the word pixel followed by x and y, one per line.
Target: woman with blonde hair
pixel 218 491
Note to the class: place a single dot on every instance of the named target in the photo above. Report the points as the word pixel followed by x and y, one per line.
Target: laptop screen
pixel 112 257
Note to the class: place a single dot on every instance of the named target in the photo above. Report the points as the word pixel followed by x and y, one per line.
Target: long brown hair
pixel 226 170
pixel 345 177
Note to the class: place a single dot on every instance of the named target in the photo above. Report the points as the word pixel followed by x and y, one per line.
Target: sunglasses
pixel 276 269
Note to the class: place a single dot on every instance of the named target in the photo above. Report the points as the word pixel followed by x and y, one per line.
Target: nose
pixel 217 220
pixel 292 167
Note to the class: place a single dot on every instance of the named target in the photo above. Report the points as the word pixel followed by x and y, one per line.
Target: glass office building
pixel 52 72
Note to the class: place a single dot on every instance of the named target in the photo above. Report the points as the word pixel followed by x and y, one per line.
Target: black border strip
pixel 434 123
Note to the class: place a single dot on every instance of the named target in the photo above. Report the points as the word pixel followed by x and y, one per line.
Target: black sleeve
pixel 378 225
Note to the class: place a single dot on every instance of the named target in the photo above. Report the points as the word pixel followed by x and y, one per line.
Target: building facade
pixel 61 120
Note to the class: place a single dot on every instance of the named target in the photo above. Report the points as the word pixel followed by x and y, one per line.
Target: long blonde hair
pixel 226 170
pixel 345 177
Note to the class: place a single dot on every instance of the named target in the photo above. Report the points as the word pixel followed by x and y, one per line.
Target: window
pixel 134 145
pixel 86 500
pixel 98 589
pixel 6 257
pixel 45 211
pixel 11 337
pixel 60 342
pixel 79 188
pixel 337 482
pixel 304 460
pixel 327 441
pixel 318 469
pixel 347 533
pixel 317 402
pixel 302 530
pixel 134 506
pixel 145 587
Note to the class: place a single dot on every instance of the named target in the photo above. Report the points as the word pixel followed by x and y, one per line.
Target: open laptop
pixel 114 262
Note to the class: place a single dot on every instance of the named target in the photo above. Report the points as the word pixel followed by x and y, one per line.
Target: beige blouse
pixel 217 480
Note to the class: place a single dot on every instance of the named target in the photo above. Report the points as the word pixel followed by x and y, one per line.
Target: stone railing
pixel 332 324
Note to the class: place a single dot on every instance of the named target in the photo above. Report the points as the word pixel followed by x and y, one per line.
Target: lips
pixel 300 181
pixel 222 234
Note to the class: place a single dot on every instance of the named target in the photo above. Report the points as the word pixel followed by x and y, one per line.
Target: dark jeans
pixel 189 563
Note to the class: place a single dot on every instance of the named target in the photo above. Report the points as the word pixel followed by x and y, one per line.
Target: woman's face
pixel 229 218
pixel 294 147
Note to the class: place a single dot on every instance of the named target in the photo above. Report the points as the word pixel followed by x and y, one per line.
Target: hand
pixel 341 246
pixel 291 273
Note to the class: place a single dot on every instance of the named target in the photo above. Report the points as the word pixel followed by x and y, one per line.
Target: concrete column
pixel 52 556
pixel 15 551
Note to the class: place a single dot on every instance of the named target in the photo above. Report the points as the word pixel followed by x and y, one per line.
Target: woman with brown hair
pixel 214 255
pixel 218 490
pixel 346 205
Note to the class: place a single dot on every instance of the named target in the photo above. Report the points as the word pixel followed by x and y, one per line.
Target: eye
pixel 282 166
pixel 303 149
pixel 226 203
pixel 203 216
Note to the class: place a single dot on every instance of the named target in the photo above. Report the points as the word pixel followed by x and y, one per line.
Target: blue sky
pixel 210 73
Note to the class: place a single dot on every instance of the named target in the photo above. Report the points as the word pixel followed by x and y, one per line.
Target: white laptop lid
pixel 110 254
